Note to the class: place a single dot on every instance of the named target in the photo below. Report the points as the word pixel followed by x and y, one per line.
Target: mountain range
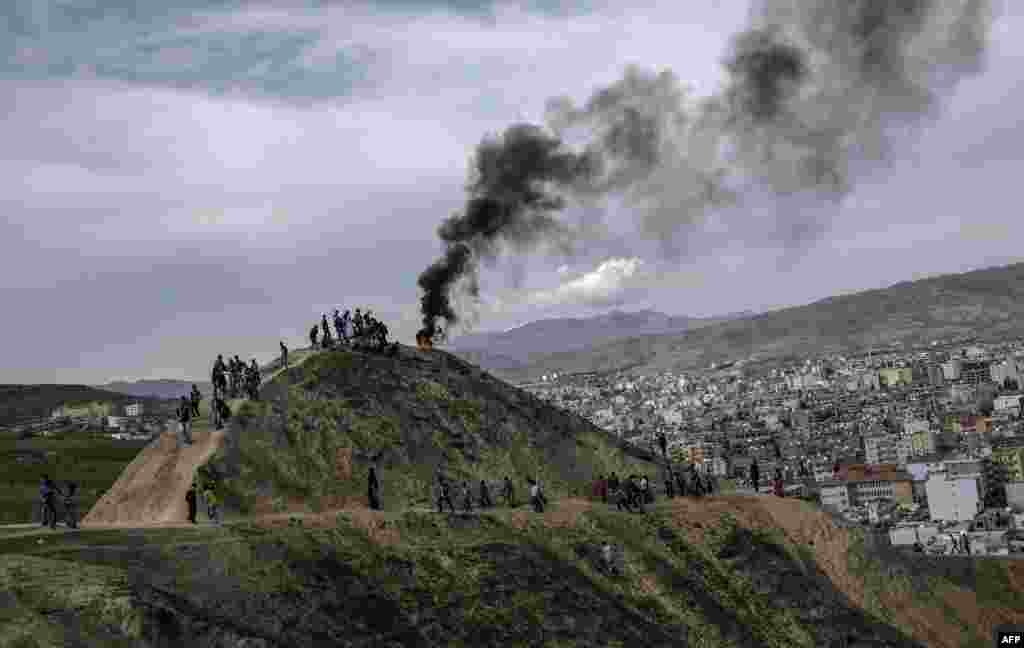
pixel 515 349
pixel 160 388
pixel 982 304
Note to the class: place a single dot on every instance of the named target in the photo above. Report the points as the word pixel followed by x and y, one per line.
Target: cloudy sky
pixel 210 178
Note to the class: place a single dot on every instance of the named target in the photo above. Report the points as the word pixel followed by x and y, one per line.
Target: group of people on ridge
pixel 235 378
pixel 444 494
pixel 349 329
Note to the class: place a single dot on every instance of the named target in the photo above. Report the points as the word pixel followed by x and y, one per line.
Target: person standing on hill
pixel 212 502
pixel 663 442
pixel 185 418
pixel 190 497
pixel 70 510
pixel 485 495
pixel 467 497
pixel 239 372
pixel 373 489
pixel 327 342
pixel 254 381
pixel 357 324
pixel 196 398
pixel 508 492
pixel 47 495
pixel 313 333
pixel 219 380
pixel 536 497
pixel 444 495
pixel 284 355
pixel 670 491
pixel 755 476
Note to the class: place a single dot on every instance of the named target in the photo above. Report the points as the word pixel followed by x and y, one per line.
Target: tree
pixel 996 476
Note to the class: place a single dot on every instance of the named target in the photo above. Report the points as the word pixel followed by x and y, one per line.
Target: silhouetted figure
pixel 284 355
pixel 239 374
pixel 339 327
pixel 185 419
pixel 70 509
pixel 755 477
pixel 508 492
pixel 467 497
pixel 485 495
pixel 444 495
pixel 190 497
pixel 357 325
pixel 670 491
pixel 313 334
pixel 47 500
pixel 373 489
pixel 536 497
pixel 663 442
pixel 327 342
pixel 196 398
pixel 219 377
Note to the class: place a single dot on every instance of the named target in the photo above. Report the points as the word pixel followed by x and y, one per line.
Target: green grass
pixel 94 463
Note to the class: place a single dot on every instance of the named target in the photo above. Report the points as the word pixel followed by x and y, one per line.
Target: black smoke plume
pixel 513 191
pixel 818 92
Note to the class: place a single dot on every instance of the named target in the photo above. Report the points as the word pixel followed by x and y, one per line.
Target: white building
pixel 951 370
pixel 1008 403
pixel 953 500
pixel 135 409
pixel 911 426
pixel 835 496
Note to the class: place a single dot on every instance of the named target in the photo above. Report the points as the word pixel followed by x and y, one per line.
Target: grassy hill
pixel 988 304
pixel 324 570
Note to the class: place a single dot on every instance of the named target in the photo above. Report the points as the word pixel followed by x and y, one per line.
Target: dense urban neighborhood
pixel 925 442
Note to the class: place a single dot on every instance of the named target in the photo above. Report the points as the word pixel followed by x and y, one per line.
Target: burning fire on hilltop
pixel 424 341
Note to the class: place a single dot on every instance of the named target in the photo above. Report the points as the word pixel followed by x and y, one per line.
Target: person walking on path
pixel 190 497
pixel 485 495
pixel 70 510
pixel 373 488
pixel 185 419
pixel 508 492
pixel 196 397
pixel 536 497
pixel 212 503
pixel 284 355
pixel 47 498
pixel 444 495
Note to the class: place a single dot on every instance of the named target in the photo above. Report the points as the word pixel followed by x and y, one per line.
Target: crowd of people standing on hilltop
pixel 356 330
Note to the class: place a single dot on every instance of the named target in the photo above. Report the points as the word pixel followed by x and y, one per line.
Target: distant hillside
pixel 513 350
pixel 20 402
pixel 988 304
pixel 157 388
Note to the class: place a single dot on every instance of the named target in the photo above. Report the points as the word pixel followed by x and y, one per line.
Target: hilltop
pixel 987 304
pixel 302 561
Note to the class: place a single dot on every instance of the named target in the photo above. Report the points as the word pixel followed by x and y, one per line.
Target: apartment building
pixel 955 500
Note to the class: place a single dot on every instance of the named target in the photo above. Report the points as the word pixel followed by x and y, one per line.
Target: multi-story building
pixel 882 449
pixel 975 372
pixel 835 495
pixel 134 409
pixel 953 499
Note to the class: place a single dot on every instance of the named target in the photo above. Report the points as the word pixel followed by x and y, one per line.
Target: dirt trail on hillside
pixel 152 488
